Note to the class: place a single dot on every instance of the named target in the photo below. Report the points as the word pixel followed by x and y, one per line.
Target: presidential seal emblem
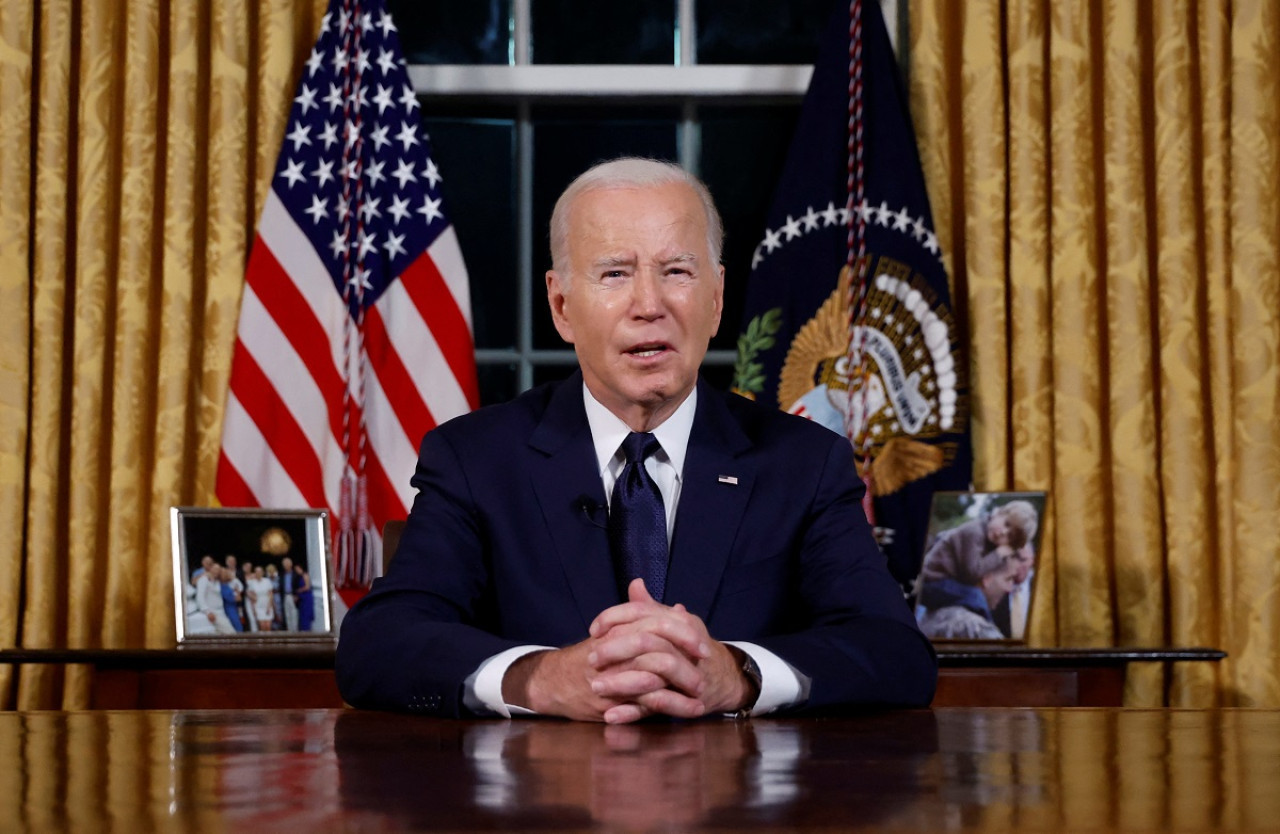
pixel 908 391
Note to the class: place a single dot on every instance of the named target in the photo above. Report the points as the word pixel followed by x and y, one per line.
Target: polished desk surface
pixel 945 769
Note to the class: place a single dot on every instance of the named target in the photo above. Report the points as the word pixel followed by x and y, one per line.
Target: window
pixel 520 96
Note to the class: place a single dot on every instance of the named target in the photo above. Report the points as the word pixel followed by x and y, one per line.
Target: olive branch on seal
pixel 748 375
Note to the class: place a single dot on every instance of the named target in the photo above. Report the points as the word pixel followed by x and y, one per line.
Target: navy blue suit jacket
pixel 506 545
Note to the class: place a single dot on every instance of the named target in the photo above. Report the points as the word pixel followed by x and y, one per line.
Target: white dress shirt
pixel 1019 605
pixel 781 685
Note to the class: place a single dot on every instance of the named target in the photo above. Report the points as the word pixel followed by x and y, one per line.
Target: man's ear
pixel 719 298
pixel 556 300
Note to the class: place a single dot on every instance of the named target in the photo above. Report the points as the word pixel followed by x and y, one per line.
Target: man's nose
pixel 646 294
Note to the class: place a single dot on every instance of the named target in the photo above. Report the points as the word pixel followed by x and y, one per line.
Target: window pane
pixel 568 141
pixel 743 149
pixel 719 377
pixel 498 383
pixel 760 31
pixel 551 373
pixel 475 151
pixel 591 32
pixel 449 32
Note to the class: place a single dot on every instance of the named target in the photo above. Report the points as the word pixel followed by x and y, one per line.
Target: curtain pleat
pixel 1029 355
pixel 182 279
pixel 1184 217
pixel 17 60
pixel 1253 314
pixel 44 562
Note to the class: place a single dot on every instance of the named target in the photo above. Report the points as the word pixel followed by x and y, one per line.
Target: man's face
pixel 641 299
pixel 1024 558
pixel 997 584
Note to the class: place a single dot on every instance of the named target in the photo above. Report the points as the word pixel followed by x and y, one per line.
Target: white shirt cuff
pixel 482 690
pixel 781 685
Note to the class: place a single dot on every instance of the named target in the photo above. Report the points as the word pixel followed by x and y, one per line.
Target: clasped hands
pixel 642 658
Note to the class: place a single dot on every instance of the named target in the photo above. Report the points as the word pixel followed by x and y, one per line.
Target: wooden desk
pixel 946 769
pixel 977 675
pixel 302 676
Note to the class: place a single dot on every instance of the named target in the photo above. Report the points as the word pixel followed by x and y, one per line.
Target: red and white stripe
pixel 282 435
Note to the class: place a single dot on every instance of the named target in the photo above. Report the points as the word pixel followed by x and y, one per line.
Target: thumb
pixel 637 592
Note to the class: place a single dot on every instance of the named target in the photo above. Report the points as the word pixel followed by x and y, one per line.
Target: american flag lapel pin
pixel 732 480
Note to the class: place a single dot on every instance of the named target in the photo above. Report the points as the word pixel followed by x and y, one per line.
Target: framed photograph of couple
pixel 251 574
pixel 977 576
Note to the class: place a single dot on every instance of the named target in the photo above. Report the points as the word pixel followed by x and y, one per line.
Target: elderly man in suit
pixel 512 591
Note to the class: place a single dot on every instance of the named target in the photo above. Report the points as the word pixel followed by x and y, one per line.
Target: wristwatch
pixel 752 673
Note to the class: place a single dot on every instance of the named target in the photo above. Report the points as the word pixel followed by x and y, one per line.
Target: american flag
pixel 354 337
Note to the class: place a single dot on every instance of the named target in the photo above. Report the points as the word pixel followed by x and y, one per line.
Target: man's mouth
pixel 647 350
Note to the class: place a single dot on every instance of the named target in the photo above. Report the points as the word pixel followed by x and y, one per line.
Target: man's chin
pixel 657 400
pixel 657 392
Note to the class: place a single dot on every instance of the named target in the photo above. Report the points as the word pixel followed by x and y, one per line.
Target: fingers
pixel 645 658
pixel 627 664
pixel 637 592
pixel 641 614
pixel 642 646
pixel 646 673
pixel 625 714
pixel 625 644
pixel 660 702
pixel 625 686
pixel 639 604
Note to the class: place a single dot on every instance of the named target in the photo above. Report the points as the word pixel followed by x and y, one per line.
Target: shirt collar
pixel 608 432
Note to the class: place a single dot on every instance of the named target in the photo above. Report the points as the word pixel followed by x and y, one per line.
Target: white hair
pixel 630 172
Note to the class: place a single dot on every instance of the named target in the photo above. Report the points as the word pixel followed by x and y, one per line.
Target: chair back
pixel 390 541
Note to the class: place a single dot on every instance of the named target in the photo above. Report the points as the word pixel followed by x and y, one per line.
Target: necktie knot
pixel 640 445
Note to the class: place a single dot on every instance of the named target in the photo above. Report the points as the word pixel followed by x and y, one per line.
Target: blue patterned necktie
pixel 638 519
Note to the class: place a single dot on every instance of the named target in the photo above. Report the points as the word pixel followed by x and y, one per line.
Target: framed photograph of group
pixel 977 577
pixel 251 574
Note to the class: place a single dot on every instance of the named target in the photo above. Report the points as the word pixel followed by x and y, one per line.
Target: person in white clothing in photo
pixel 209 602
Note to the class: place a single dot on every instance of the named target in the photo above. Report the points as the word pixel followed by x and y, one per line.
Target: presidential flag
pixel 848 315
pixel 354 336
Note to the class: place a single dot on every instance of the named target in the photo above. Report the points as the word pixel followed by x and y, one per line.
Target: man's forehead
pixel 648 236
pixel 669 204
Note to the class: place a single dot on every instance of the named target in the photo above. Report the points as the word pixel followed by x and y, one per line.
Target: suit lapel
pixel 571 497
pixel 717 483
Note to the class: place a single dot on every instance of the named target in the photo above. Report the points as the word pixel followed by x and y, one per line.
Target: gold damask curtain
pixel 135 136
pixel 1106 179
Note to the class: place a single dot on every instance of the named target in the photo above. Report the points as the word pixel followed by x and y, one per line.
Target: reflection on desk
pixel 952 769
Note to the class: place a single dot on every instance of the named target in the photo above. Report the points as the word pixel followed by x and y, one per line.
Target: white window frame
pixel 684 83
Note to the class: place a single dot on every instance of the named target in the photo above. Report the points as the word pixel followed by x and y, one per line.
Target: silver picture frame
pixel 239 557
